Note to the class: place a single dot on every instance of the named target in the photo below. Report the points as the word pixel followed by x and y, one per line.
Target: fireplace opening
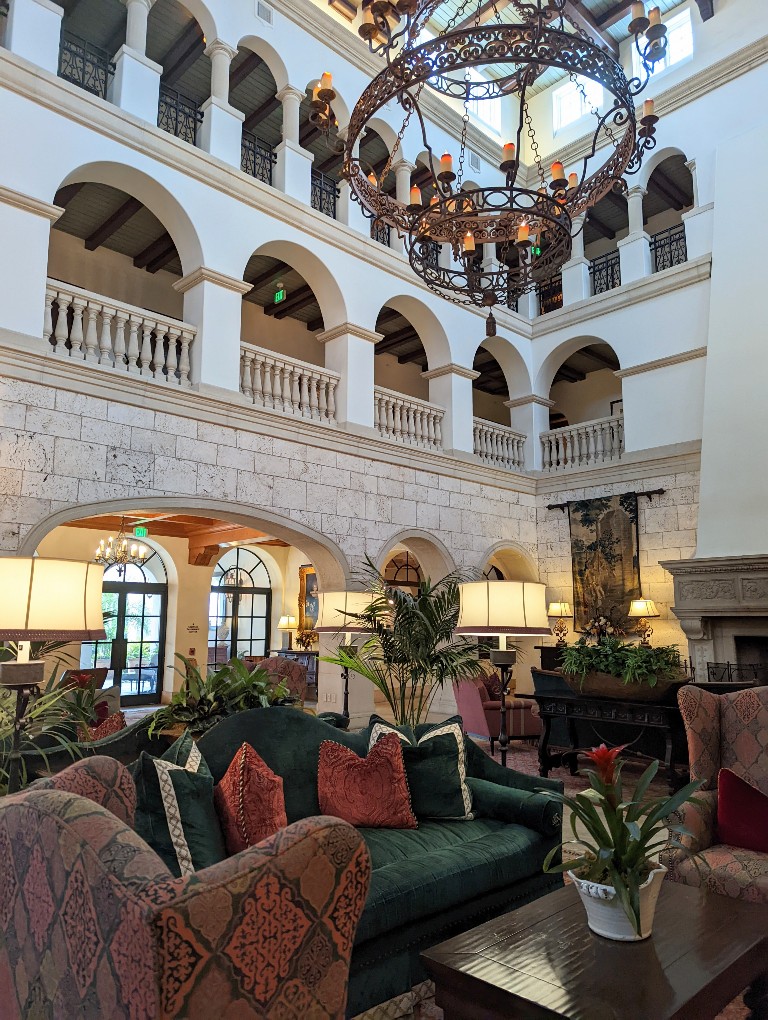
pixel 751 650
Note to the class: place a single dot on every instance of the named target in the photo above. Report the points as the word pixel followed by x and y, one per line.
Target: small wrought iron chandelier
pixel 529 216
pixel 116 552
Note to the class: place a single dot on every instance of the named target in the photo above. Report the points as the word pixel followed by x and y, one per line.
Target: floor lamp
pixel 336 613
pixel 43 600
pixel 503 609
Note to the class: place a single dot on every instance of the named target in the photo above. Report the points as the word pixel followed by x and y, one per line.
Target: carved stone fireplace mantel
pixel 718 600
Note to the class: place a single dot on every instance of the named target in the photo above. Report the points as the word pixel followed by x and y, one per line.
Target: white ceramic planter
pixel 607 917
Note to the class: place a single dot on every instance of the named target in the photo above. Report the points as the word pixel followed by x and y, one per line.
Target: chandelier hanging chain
pixel 533 143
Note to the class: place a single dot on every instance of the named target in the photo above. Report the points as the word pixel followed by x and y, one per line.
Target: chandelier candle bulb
pixel 647 108
pixel 654 15
pixel 326 82
pixel 523 232
pixel 573 180
pixel 558 171
pixel 315 91
pixel 446 163
pixel 638 12
pixel 469 243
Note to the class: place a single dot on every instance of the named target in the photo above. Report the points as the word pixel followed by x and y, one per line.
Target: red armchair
pixel 93 925
pixel 293 674
pixel 482 715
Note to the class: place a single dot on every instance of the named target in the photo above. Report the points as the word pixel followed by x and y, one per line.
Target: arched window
pixel 239 608
pixel 404 571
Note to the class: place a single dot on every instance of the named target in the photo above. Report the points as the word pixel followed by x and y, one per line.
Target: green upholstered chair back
pixel 289 742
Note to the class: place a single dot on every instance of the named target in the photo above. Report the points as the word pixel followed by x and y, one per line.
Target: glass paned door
pixel 239 607
pixel 134 650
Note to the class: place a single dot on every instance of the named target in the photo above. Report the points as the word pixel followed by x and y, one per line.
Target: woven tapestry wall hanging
pixel 606 563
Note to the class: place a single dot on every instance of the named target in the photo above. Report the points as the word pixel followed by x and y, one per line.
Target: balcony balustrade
pixel 585 444
pixel 668 248
pixel 87 327
pixel 256 158
pixel 288 386
pixel 550 294
pixel 407 420
pixel 178 115
pixel 381 232
pixel 325 194
pixel 85 65
pixel 605 272
pixel 498 445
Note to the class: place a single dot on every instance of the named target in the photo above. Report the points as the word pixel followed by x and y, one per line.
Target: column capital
pixel 204 274
pixel 219 46
pixel 532 398
pixel 451 369
pixel 637 192
pixel 401 165
pixel 291 92
pixel 349 329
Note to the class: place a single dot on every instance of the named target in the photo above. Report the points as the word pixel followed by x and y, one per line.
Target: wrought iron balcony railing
pixel 381 232
pixel 605 272
pixel 550 295
pixel 324 194
pixel 256 158
pixel 178 115
pixel 85 65
pixel 668 248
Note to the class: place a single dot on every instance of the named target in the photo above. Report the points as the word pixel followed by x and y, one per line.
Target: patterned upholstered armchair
pixel 93 925
pixel 482 714
pixel 724 731
pixel 292 673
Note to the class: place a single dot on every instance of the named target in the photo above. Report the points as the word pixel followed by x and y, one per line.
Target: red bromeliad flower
pixel 604 760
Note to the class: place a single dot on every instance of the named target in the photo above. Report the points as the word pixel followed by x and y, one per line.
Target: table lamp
pixel 560 612
pixel 503 609
pixel 43 600
pixel 335 615
pixel 643 610
pixel 287 623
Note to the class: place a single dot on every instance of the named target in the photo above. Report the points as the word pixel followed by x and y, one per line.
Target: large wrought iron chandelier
pixel 117 552
pixel 529 215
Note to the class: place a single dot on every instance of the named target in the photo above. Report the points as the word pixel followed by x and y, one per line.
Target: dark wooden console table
pixel 637 717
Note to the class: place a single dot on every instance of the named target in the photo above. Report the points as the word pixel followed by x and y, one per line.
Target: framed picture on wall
pixel 308 604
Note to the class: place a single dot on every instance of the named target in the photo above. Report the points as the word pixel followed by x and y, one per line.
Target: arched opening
pixel 92 31
pixel 253 91
pixel 400 355
pixel 177 41
pixel 606 224
pixel 326 166
pixel 109 259
pixel 507 563
pixel 415 553
pixel 669 194
pixel 239 607
pixel 489 390
pixel 374 156
pixel 585 387
pixel 403 571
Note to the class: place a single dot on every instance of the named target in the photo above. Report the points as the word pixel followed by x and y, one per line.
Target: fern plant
pixel 631 663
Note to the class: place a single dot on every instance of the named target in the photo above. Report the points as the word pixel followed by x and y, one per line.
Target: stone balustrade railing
pixel 498 445
pixel 95 329
pixel 286 385
pixel 407 420
pixel 586 443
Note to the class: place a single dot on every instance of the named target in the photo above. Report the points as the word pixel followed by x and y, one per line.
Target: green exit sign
pixel 279 295
pixel 536 250
pixel 140 531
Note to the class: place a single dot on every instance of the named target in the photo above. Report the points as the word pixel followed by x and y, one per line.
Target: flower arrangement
pixel 623 835
pixel 306 638
pixel 600 626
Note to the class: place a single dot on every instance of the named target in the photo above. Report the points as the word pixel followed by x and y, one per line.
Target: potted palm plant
pixel 615 868
pixel 412 651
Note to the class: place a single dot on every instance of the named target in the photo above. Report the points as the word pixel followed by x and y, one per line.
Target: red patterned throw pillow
pixel 249 801
pixel 112 724
pixel 742 813
pixel 370 791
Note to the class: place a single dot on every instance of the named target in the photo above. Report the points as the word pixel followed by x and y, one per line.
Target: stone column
pixel 213 303
pixel 349 350
pixel 450 387
pixel 34 32
pixel 698 221
pixel 135 85
pixel 347 209
pixel 222 129
pixel 294 164
pixel 634 249
pixel 23 266
pixel 576 284
pixel 403 170
pixel 528 304
pixel 530 415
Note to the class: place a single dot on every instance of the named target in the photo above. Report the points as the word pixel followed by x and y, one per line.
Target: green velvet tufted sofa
pixel 429 883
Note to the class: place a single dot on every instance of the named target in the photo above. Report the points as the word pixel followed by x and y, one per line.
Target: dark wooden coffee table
pixel 542 961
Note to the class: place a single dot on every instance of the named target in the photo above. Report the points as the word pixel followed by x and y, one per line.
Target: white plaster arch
pixel 432 554
pixel 655 160
pixel 515 562
pixel 333 305
pixel 155 196
pixel 330 562
pixel 202 15
pixel 269 55
pixel 512 363
pixel 560 353
pixel 387 134
pixel 427 324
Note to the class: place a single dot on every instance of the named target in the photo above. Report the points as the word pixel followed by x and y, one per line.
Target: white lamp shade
pixel 642 608
pixel 332 607
pixel 503 607
pixel 560 610
pixel 287 623
pixel 46 600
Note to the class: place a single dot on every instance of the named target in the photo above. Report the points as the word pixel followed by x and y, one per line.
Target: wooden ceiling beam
pixel 260 113
pixel 395 339
pixel 160 244
pixel 601 359
pixel 314 324
pixel 706 9
pixel 112 224
pixel 243 70
pixel 614 14
pixel 602 228
pixel 662 185
pixel 567 374
pixel 386 315
pixel 295 301
pixel 486 11
pixel 162 259
pixel 183 53
pixel 584 19
pixel 65 195
pixel 418 357
pixel 258 281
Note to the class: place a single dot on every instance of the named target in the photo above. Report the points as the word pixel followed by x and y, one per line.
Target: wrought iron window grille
pixel 257 158
pixel 737 672
pixel 605 272
pixel 85 65
pixel 550 294
pixel 668 248
pixel 178 115
pixel 325 193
